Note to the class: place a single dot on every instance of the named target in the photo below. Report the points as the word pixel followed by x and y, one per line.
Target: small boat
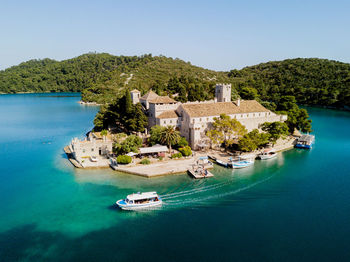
pixel 242 161
pixel 267 154
pixel 140 201
pixel 221 163
pixel 305 141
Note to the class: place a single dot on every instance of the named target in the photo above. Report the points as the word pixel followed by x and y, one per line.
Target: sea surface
pixel 293 208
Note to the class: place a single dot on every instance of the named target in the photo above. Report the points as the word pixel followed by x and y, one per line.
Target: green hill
pixel 311 81
pixel 102 77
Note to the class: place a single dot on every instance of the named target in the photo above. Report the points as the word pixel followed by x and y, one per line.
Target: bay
pixel 293 208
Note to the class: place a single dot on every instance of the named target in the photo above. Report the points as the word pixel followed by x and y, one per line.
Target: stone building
pixel 193 119
pixel 93 145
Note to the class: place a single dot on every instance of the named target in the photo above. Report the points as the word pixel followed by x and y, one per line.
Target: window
pixel 193 121
pixel 200 119
pixel 207 118
pixel 83 150
pixel 92 150
pixel 171 121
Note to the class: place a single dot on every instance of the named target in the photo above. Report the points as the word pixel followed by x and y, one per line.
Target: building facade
pixel 194 119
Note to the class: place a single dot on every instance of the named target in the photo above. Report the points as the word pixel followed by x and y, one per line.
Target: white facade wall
pixel 198 126
pixel 156 109
pixel 168 122
pixel 93 147
pixel 135 97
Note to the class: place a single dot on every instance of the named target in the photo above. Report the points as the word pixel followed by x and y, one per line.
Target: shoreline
pixel 176 166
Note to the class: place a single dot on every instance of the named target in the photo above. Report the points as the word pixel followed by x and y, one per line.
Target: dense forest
pixel 311 81
pixel 103 77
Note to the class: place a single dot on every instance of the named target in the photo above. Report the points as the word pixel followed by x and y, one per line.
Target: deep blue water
pixel 293 208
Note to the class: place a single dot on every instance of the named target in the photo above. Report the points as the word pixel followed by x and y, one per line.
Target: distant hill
pixel 102 77
pixel 312 81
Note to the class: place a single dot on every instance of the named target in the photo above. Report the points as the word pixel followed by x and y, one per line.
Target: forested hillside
pixel 311 81
pixel 102 77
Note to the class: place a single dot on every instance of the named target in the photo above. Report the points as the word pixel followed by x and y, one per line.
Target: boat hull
pixel 303 146
pixel 267 157
pixel 241 165
pixel 122 205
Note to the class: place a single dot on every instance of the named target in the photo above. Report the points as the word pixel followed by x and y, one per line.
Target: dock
pixel 200 174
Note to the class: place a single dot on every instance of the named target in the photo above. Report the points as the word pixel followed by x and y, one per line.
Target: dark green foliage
pixel 311 81
pixel 155 135
pixel 248 93
pixel 131 144
pixel 124 159
pixel 145 161
pixel 276 130
pixel 103 77
pixel 185 151
pixel 123 114
pixel 181 143
pixel 253 140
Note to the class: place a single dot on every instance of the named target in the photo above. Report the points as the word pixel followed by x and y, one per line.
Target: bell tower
pixel 223 93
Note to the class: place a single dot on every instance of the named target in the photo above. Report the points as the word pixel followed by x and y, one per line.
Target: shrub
pixel 181 143
pixel 176 155
pixel 145 161
pixel 160 158
pixel 124 159
pixel 185 151
pixel 104 132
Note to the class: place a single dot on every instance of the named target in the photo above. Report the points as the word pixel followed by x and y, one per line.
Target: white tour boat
pixel 140 201
pixel 267 154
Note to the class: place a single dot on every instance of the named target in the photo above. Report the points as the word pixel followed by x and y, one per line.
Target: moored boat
pixel 267 154
pixel 242 161
pixel 140 201
pixel 221 163
pixel 305 141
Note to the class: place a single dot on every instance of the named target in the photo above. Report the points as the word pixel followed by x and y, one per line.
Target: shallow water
pixel 293 208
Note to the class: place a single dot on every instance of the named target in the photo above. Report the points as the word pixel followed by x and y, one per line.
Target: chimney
pixel 238 102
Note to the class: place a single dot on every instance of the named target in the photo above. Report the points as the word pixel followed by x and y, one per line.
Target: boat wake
pixel 174 200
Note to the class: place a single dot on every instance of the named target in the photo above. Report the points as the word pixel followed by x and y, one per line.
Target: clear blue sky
pixel 219 35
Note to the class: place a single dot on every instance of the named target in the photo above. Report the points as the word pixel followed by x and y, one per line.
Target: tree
pixel 248 93
pixel 128 103
pixel 169 136
pixel 276 130
pixel 226 130
pixel 123 114
pixel 253 140
pixel 131 144
pixel 156 134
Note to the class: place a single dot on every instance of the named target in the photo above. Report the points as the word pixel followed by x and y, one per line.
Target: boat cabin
pixel 142 198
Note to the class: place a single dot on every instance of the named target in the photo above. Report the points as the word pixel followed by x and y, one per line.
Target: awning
pixel 153 149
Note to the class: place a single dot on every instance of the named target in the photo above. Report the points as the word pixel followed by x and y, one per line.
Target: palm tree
pixel 169 136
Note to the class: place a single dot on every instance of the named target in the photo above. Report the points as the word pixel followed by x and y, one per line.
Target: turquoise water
pixel 293 208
